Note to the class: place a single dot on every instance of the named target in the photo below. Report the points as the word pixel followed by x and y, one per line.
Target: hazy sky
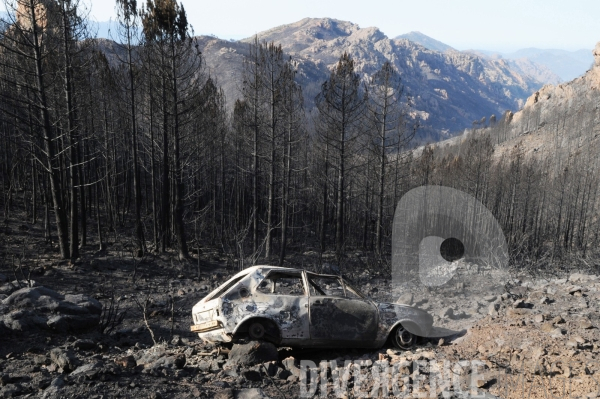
pixel 464 24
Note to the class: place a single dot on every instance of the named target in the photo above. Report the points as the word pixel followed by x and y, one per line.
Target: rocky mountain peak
pixel 596 53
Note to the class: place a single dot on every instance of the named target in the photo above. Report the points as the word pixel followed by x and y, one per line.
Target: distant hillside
pixel 450 90
pixel 559 125
pixel 566 64
pixel 425 41
pixel 548 66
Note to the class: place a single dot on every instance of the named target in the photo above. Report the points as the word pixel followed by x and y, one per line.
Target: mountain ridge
pixel 449 89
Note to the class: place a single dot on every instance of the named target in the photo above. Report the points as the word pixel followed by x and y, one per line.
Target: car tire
pixel 402 338
pixel 256 331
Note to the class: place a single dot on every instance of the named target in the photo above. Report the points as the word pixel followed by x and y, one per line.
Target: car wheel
pixel 402 338
pixel 256 330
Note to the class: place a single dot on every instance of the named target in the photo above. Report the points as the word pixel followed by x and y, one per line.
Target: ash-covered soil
pixel 537 339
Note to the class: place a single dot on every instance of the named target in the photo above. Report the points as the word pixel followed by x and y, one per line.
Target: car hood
pixel 394 312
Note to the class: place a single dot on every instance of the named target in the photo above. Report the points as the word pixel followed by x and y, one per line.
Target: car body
pixel 293 307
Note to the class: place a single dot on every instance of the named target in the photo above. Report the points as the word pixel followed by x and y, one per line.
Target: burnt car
pixel 292 307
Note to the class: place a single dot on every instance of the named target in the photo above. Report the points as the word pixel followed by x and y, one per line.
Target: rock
pixel 291 365
pixel 250 393
pixel 538 318
pixel 148 357
pixel 252 353
pixel 490 298
pixel 574 289
pixel 596 53
pixel 127 362
pixel 11 390
pixel 189 352
pixel 537 353
pixel 571 344
pixel 168 362
pixel 544 300
pixel 493 309
pixel 578 339
pixel 63 359
pixel 90 370
pixel 584 323
pixel 581 278
pixel 226 393
pixel 204 365
pixel 55 386
pixel 557 333
pixel 40 308
pixel 176 341
pixel 406 299
pixel 519 303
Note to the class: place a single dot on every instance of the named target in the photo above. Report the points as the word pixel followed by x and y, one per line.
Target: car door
pixel 284 295
pixel 338 316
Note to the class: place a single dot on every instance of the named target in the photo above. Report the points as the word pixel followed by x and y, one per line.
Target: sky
pixel 504 26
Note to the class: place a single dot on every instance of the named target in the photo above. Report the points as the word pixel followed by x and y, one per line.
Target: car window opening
pixel 278 283
pixel 225 288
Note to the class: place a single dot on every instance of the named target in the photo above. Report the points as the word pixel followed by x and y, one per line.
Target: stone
pixel 90 370
pixel 127 362
pixel 557 333
pixel 63 359
pixel 40 308
pixel 493 309
pixel 578 339
pixel 584 323
pixel 571 344
pixel 291 365
pixel 574 289
pixel 226 393
pixel 254 352
pixel 11 390
pixel 538 318
pixel 250 393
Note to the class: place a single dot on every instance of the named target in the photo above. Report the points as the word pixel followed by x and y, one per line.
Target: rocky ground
pixel 111 325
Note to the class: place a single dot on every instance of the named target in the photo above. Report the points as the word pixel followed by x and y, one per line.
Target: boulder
pixel 254 352
pixel 35 308
pixel 250 393
pixel 63 359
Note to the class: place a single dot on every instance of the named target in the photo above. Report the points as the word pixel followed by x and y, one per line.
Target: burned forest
pixel 131 188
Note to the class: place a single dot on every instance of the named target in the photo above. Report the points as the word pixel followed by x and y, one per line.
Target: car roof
pixel 252 269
